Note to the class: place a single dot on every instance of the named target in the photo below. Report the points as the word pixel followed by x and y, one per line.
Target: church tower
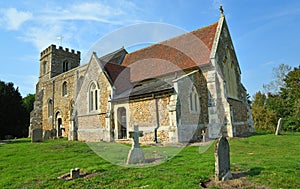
pixel 55 61
pixel 55 90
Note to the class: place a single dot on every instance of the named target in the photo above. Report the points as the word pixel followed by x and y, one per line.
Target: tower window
pixel 65 66
pixel 64 89
pixel 93 97
pixel 44 68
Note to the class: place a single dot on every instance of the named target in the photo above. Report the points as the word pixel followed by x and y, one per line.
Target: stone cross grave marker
pixel 279 124
pixel 222 160
pixel 37 135
pixel 135 154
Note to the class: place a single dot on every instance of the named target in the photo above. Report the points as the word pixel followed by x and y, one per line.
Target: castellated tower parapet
pixel 55 61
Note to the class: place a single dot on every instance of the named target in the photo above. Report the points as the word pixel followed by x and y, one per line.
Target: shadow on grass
pixel 255 171
pixel 261 133
pixel 251 172
pixel 16 141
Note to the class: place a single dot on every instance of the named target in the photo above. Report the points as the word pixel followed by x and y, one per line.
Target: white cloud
pixel 13 19
pixel 85 11
pixel 41 37
pixel 115 14
pixel 79 19
pixel 96 9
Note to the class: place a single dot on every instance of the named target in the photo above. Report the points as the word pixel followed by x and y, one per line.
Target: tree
pixel 285 103
pixel 28 103
pixel 277 83
pixel 263 116
pixel 12 111
pixel 291 97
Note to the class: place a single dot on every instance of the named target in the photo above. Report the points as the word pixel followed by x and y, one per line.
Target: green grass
pixel 272 160
pixel 266 159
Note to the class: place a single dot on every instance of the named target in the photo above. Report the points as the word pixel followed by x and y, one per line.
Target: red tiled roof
pixel 119 75
pixel 179 53
pixel 113 70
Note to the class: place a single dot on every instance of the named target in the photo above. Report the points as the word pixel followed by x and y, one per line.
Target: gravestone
pixel 135 154
pixel 74 173
pixel 203 136
pixel 37 135
pixel 53 133
pixel 279 124
pixel 222 159
pixel 47 134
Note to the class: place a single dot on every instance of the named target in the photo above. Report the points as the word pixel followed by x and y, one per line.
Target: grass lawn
pixel 269 160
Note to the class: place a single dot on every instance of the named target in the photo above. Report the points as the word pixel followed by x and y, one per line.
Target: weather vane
pixel 221 9
pixel 59 38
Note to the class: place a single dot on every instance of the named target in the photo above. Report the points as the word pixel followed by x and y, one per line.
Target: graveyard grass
pixel 265 159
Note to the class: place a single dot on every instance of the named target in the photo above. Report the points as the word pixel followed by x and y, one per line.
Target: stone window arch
pixel 64 89
pixel 194 100
pixel 65 65
pixel 93 96
pixel 50 108
pixel 44 67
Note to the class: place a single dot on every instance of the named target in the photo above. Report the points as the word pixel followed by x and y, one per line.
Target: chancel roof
pixel 180 53
pixel 185 51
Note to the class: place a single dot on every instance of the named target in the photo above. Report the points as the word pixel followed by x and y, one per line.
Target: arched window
pixel 194 100
pixel 64 89
pixel 44 68
pixel 65 66
pixel 50 107
pixel 93 97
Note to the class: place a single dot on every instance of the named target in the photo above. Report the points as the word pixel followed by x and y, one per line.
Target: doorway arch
pixel 122 123
pixel 58 124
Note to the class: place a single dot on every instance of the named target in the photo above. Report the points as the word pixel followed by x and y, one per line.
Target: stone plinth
pixel 136 154
pixel 75 173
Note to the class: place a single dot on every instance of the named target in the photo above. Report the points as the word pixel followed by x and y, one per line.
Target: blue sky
pixel 265 33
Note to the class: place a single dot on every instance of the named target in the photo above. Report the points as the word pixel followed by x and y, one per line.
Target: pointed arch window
pixel 93 97
pixel 194 101
pixel 64 89
pixel 50 107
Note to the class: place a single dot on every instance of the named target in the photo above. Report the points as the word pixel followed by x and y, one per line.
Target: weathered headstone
pixel 47 134
pixel 53 133
pixel 37 135
pixel 222 159
pixel 279 124
pixel 74 173
pixel 135 154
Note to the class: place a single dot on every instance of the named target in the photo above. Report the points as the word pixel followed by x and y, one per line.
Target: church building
pixel 176 91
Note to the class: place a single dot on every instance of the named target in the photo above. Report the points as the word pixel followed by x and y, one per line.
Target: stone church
pixel 176 91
